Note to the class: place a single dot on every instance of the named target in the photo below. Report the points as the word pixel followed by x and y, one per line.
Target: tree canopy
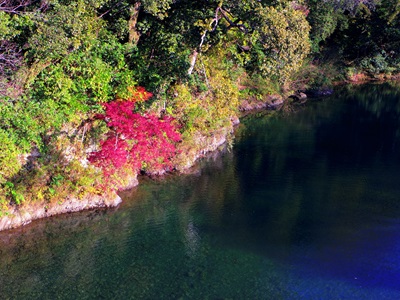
pixel 62 61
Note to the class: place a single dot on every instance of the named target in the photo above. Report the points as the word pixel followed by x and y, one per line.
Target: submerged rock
pixel 299 96
pixel 275 101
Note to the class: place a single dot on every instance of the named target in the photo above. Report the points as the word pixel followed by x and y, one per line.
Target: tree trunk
pixel 134 35
pixel 193 58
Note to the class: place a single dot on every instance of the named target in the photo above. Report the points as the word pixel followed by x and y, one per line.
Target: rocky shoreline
pixel 25 214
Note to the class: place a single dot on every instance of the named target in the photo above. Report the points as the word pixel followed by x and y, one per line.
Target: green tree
pixel 281 41
pixel 9 162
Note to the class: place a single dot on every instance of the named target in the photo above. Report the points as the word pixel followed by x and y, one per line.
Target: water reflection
pixel 192 240
pixel 306 206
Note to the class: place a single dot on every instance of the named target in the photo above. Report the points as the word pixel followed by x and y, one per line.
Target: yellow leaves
pixel 5 25
pixel 203 110
pixel 285 39
pixel 158 8
pixel 205 25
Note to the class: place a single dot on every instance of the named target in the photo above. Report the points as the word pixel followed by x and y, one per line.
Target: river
pixel 306 205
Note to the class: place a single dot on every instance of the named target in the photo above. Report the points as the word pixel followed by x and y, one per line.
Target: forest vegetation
pixel 93 92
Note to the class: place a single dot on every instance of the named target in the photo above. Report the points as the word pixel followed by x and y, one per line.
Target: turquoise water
pixel 305 206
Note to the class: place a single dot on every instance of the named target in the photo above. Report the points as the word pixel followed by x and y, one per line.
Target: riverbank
pixel 188 155
pixel 23 215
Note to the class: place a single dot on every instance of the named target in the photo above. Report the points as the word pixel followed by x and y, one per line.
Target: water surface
pixel 305 206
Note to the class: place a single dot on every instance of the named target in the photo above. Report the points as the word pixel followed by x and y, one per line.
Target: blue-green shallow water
pixel 305 206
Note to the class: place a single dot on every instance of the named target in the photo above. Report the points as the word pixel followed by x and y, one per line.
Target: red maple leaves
pixel 135 140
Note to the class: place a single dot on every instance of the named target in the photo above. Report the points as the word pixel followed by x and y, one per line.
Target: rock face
pixel 25 214
pixel 202 146
pixel 275 101
pixel 299 96
pixel 270 102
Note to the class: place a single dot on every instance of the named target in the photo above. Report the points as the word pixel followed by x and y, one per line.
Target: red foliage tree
pixel 135 139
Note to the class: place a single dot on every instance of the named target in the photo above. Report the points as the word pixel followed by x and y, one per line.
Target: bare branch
pixel 213 24
pixel 10 57
pixel 14 6
pixel 224 13
pixel 193 57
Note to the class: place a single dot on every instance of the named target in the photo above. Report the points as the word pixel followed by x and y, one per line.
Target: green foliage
pixel 390 11
pixel 5 26
pixel 53 177
pixel 66 91
pixel 62 30
pixel 208 103
pixel 324 19
pixel 83 78
pixel 10 191
pixel 375 64
pixel 9 161
pixel 317 75
pixel 13 26
pixel 21 121
pixel 258 87
pixel 284 41
pixel 157 8
pixel 71 67
pixel 365 33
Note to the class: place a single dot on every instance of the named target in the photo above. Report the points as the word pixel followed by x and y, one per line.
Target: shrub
pixel 376 64
pixel 9 162
pixel 135 140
